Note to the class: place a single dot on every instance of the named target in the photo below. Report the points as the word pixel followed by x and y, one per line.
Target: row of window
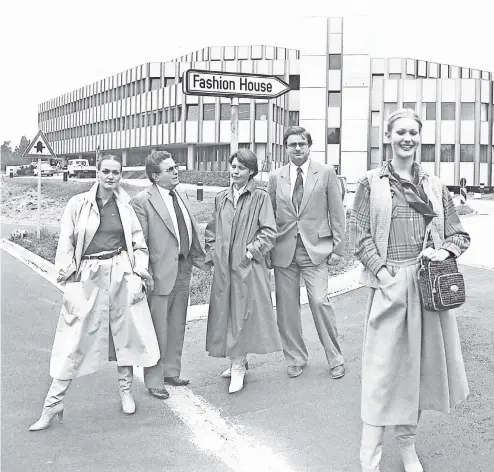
pixel 440 71
pixel 428 152
pixel 174 114
pixel 122 92
pixel 448 111
pixel 125 91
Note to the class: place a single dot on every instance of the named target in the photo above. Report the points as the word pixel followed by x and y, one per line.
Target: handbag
pixel 441 285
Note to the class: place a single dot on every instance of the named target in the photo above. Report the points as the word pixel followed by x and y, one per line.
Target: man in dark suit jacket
pixel 310 218
pixel 172 238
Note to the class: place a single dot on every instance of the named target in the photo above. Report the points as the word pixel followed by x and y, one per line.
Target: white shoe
pixel 237 377
pixel 226 374
pixel 128 403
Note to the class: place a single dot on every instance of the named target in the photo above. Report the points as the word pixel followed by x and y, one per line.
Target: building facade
pixel 341 94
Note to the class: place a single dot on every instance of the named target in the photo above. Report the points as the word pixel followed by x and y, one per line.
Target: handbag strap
pixel 432 231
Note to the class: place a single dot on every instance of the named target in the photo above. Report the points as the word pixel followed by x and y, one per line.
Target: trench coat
pixel 83 343
pixel 241 319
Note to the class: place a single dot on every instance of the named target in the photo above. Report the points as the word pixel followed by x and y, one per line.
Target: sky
pixel 52 47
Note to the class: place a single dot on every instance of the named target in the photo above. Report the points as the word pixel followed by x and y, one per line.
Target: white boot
pixel 125 377
pixel 53 405
pixel 237 375
pixel 371 447
pixel 405 435
pixel 226 374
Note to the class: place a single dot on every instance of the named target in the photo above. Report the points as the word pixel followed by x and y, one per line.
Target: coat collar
pixel 120 194
pixel 249 187
pixel 417 169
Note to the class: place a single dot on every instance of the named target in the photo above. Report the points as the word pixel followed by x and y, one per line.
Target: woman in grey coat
pixel 412 358
pixel 238 239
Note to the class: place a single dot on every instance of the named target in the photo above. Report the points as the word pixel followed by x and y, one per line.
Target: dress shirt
pixel 165 194
pixel 293 174
pixel 110 234
pixel 237 193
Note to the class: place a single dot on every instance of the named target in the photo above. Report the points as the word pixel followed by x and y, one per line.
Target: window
pixel 244 111
pixel 293 118
pixel 484 111
pixel 429 110
pixel 208 112
pixel 225 111
pixel 447 153
pixel 483 153
pixel 389 108
pixel 192 112
pixel 165 115
pixel 334 99
pixel 395 76
pixel 334 61
pixel 172 114
pixel 154 84
pixel 333 136
pixel 428 152
pixel 169 81
pixel 467 111
pixel 467 152
pixel 261 111
pixel 294 82
pixel 448 111
pixel 411 105
pixel 375 121
pixel 179 113
pixel 377 81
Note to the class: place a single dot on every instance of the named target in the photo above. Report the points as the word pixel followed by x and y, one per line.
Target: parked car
pixel 80 168
pixel 46 169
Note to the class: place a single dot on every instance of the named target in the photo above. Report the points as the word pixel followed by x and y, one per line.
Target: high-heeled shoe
pixel 128 403
pixel 47 416
pixel 226 374
pixel 411 462
pixel 237 379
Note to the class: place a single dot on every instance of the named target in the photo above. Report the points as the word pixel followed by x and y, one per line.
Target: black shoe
pixel 160 393
pixel 176 381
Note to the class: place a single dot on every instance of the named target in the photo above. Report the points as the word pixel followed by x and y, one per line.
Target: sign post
pixel 39 147
pixel 233 86
pixel 463 191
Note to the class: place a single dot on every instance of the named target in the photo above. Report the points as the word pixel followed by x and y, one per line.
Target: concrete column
pixel 125 154
pixel 191 156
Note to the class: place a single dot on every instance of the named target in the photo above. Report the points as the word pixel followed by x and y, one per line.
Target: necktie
pixel 183 234
pixel 298 190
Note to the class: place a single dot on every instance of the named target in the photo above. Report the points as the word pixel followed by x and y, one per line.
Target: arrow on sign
pixel 229 84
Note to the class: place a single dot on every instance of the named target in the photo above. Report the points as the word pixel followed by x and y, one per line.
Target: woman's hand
pixel 384 276
pixel 435 255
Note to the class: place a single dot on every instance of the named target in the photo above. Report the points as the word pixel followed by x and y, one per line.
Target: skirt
pixel 411 358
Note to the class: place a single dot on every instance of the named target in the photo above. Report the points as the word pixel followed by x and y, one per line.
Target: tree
pixel 13 158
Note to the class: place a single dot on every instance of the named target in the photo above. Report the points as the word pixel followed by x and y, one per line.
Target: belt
pixel 100 257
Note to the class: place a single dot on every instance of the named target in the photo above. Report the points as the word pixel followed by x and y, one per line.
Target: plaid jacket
pixel 370 221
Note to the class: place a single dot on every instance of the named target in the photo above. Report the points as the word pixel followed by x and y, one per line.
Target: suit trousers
pixel 169 314
pixel 288 308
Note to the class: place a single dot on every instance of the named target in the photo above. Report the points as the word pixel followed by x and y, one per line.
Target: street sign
pixel 39 147
pixel 233 85
pixel 463 182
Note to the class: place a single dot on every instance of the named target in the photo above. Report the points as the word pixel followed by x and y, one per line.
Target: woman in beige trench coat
pixel 412 358
pixel 242 232
pixel 102 260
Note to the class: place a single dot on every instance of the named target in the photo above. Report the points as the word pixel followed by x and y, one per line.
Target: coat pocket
pixel 324 232
pixel 74 302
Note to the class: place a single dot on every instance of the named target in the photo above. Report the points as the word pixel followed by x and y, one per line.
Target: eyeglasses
pixel 293 146
pixel 172 169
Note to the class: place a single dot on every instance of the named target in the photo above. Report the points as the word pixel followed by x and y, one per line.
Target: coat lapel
pixel 285 187
pixel 310 183
pixel 159 205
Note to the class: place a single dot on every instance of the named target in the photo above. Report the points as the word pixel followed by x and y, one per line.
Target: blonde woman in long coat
pixel 243 231
pixel 412 358
pixel 102 260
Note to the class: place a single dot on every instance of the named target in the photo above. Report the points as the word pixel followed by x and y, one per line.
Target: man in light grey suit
pixel 172 238
pixel 310 218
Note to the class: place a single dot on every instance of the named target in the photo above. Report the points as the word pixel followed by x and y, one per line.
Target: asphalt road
pixel 312 421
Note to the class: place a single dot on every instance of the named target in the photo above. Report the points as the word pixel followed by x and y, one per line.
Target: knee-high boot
pixel 371 447
pixel 53 405
pixel 125 377
pixel 405 436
